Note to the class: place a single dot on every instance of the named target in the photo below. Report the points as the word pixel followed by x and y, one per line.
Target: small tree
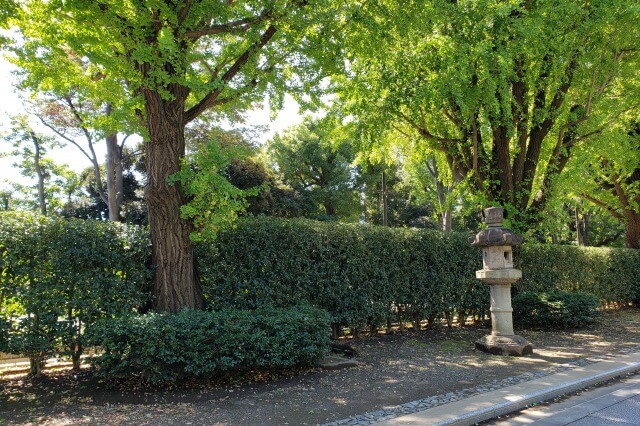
pixel 312 161
pixel 53 181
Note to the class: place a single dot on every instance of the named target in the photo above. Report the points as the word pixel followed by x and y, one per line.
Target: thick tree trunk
pixel 330 208
pixel 632 231
pixel 175 285
pixel 114 177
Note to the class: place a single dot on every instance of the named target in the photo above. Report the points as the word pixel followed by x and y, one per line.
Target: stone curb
pixel 515 402
pixel 537 397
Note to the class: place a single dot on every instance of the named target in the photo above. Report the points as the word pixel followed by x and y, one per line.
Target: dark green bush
pixel 611 274
pixel 554 310
pixel 168 347
pixel 362 275
pixel 368 275
pixel 60 275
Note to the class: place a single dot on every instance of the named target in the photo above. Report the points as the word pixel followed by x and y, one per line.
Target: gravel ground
pixel 397 373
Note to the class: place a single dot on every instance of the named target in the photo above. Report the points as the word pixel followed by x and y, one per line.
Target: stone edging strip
pixel 523 401
pixel 393 415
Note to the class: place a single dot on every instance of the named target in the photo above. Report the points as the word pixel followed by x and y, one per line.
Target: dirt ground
pixel 394 369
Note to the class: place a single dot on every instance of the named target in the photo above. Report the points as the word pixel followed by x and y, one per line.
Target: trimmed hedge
pixel 60 275
pixel 611 274
pixel 368 275
pixel 363 276
pixel 168 347
pixel 554 310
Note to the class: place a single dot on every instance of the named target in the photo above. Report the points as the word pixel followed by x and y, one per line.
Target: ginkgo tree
pixel 179 58
pixel 505 90
pixel 609 177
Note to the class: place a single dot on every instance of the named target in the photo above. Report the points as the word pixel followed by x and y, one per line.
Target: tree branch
pixel 65 137
pixel 424 132
pixel 210 99
pixel 241 25
pixel 604 206
pixel 124 140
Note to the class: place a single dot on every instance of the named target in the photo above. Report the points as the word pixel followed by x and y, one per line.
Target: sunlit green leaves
pixel 460 75
pixel 214 203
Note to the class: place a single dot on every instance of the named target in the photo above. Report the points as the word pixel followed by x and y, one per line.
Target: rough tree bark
pixel 632 231
pixel 175 285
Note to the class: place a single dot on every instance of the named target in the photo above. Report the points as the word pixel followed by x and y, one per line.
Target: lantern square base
pixel 504 345
pixel 499 276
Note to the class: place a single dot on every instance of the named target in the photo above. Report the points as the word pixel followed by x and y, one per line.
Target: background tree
pixel 53 182
pixel 81 105
pixel 180 59
pixel 65 117
pixel 92 205
pixel 317 163
pixel 613 179
pixel 246 168
pixel 387 196
pixel 505 91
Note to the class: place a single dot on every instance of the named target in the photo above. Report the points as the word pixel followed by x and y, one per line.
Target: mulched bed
pixel 394 369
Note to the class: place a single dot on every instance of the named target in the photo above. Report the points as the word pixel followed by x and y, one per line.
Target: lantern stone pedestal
pixel 498 272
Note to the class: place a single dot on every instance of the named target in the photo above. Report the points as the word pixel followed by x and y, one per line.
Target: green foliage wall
pixel 59 275
pixel 366 275
pixel 611 274
pixel 362 275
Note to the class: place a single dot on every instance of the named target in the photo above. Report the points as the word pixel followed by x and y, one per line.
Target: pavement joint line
pixel 524 400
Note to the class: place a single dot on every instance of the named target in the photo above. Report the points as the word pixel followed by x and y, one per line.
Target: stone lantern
pixel 497 261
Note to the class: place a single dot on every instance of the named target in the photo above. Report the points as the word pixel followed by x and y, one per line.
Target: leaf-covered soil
pixel 394 369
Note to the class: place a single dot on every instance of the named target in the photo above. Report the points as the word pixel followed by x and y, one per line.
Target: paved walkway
pixel 492 404
pixel 616 404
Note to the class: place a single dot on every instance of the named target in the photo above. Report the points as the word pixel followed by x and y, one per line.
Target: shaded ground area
pixel 394 369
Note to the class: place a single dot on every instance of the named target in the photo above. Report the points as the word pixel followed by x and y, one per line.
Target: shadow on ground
pixel 394 369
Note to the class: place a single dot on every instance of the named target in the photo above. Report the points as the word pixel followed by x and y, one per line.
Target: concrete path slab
pixel 513 398
pixel 618 403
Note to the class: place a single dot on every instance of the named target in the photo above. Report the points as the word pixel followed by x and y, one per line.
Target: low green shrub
pixel 161 348
pixel 554 310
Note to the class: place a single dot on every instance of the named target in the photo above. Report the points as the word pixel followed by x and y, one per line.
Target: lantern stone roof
pixel 496 237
